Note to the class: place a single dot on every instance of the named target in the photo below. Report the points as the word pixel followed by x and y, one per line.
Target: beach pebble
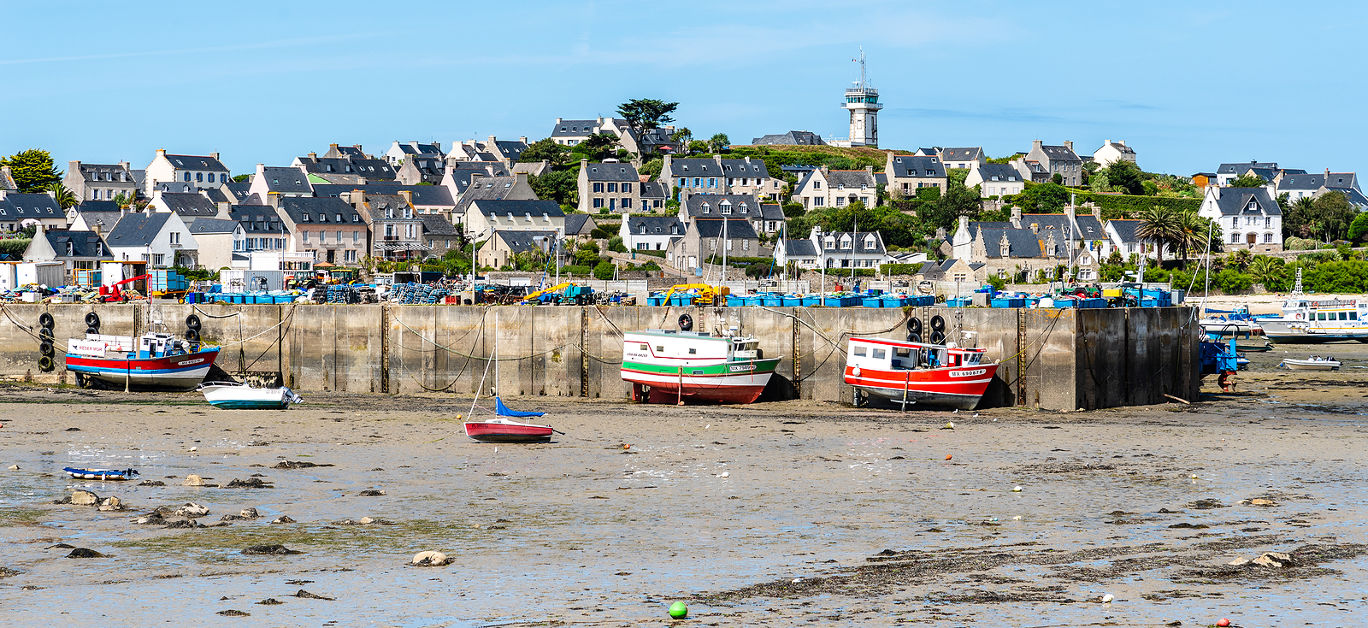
pixel 193 480
pixel 371 492
pixel 283 519
pixel 1016 489
pixel 82 552
pixel 194 449
pixel 270 601
pixel 724 474
pixel 14 467
pixel 430 559
pixel 949 425
pixel 366 521
pixel 81 497
pixel 111 503
pixel 1107 599
pixel 273 549
pixel 232 612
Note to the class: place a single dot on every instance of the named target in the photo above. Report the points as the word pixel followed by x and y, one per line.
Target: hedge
pixel 1126 205
pixel 900 269
pixel 13 248
pixel 576 270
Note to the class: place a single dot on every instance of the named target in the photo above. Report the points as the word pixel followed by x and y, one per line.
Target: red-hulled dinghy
pixel 503 429
pixel 924 374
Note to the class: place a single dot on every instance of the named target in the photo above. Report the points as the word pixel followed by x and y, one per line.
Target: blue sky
pixel 1188 85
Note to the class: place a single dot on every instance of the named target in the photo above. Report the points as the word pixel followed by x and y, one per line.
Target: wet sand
pixel 776 514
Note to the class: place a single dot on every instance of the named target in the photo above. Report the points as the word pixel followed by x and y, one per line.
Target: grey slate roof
pixel 984 224
pixel 800 248
pixel 653 189
pixel 305 210
pixel 1238 168
pixel 237 190
pixel 692 167
pixel 1122 148
pixel 906 166
pixel 853 179
pixel 490 207
pixel 1002 172
pixel 97 206
pixel 1060 154
pixel 771 211
pixel 178 187
pixel 105 220
pixel 423 195
pixel 286 180
pixel 436 225
pixel 83 243
pixel 137 229
pixel 419 148
pixel 189 204
pixel 736 229
pixel 611 172
pixel 461 172
pixel 574 128
pixel 742 205
pixel 484 188
pixel 196 162
pixel 792 138
pixel 578 224
pixel 373 169
pixel 1021 242
pixel 1354 196
pixel 18 206
pixel 258 219
pixel 1089 228
pixel 857 245
pixel 962 154
pixel 105 172
pixel 655 225
pixel 1126 229
pixel 212 226
pixel 1236 202
pixel 525 241
pixel 513 149
pixel 216 195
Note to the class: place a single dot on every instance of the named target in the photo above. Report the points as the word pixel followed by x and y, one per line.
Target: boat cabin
pixel 160 345
pixel 893 355
pixel 686 347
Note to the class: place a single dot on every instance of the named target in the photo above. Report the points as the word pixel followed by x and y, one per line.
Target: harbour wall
pixel 1057 359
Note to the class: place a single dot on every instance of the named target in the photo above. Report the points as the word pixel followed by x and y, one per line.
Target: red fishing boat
pixel 152 361
pixel 917 373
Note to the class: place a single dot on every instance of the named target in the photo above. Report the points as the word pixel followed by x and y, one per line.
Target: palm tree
pixel 63 195
pixel 1266 269
pixel 1194 233
pixel 1159 225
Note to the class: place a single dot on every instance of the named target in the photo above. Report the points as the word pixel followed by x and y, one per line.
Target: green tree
pixel 718 142
pixel 1041 198
pixel 615 244
pixel 644 114
pixel 1358 229
pixel 1267 270
pixel 561 186
pixel 682 136
pixel 33 170
pixel 1125 175
pixel 597 147
pixel 1333 214
pixel 545 150
pixel 1160 226
pixel 1192 232
pixel 604 270
pixel 124 201
pixel 587 254
pixel 241 178
pixel 64 196
pixel 1099 182
pixel 1248 181
pixel 652 167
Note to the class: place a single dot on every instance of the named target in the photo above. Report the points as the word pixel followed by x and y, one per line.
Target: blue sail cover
pixel 502 410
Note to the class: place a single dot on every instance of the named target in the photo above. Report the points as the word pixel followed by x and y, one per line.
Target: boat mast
pixel 726 244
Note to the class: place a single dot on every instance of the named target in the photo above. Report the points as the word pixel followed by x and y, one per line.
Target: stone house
pixel 962 158
pixel 161 239
pixel 1299 186
pixel 650 233
pixel 100 182
pixel 744 206
pixel 995 180
pixel 612 187
pixel 202 171
pixel 329 228
pixel 1060 160
pixel 1112 152
pixel 439 235
pixel 506 152
pixel 396 227
pixel 1225 173
pixel 823 187
pixel 354 151
pixel 579 227
pixel 1124 238
pixel 706 237
pixel 262 229
pixel 909 173
pixel 653 196
pixel 498 188
pixel 719 176
pixel 421 169
pixel 215 240
pixel 1030 170
pixel 1249 218
pixel 486 215
pixel 499 250
pixel 426 199
pixel 18 210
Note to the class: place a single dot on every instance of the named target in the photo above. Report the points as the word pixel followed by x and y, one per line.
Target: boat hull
pixel 508 432
pixel 1306 332
pixel 958 387
pixel 1308 365
pixel 233 397
pixel 117 475
pixel 741 381
pixel 176 372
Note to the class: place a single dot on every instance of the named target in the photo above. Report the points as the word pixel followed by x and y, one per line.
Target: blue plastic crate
pixel 1009 302
pixel 773 300
pixel 872 302
pixel 811 301
pixel 921 301
pixel 1092 303
pixel 792 301
pixel 958 302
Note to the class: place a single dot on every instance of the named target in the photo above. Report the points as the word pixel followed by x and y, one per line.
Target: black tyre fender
pixel 45 363
pixel 92 330
pixel 937 323
pixel 45 348
pixel 913 337
pixel 192 335
pixel 937 337
pixel 45 334
pixel 192 322
pixel 914 325
pixel 45 320
pixel 685 322
pixel 92 320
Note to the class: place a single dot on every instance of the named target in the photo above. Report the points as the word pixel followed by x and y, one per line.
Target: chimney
pixel 1121 142
pixel 1036 144
pixel 161 152
pixel 1327 176
pixel 964 223
pixel 408 195
pixel 491 140
pixel 1068 144
pixel 74 166
pixel 869 169
pixel 213 156
pixel 523 139
pixel 273 199
pixel 313 156
pixel 332 146
pixel 1016 217
pixel 558 120
pixel 522 178
pixel 124 165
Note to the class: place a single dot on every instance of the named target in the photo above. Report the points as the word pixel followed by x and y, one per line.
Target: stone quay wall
pixel 1061 359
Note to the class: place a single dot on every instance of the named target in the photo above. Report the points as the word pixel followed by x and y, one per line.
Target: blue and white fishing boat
pixel 230 396
pixel 101 474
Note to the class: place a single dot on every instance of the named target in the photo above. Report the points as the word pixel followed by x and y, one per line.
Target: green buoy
pixel 678 610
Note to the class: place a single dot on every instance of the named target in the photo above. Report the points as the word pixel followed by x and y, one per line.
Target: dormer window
pixel 1005 249
pixel 707 209
pixel 305 217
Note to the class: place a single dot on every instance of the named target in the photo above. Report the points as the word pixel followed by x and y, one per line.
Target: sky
pixel 1188 85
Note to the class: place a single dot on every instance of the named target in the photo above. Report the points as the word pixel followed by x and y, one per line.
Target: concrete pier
pixel 1054 359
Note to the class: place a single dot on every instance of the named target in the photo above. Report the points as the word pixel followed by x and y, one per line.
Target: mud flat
pixel 776 514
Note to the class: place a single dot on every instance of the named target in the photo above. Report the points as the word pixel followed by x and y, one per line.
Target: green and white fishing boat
pixel 667 366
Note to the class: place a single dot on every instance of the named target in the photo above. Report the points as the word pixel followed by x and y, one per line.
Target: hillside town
pixel 610 196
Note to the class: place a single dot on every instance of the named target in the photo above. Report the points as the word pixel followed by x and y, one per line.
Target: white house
pixel 1123 237
pixel 1111 152
pixel 1249 218
pixel 650 233
pixel 834 249
pixel 201 171
pixel 995 180
pixel 962 158
pixel 823 187
pixel 160 238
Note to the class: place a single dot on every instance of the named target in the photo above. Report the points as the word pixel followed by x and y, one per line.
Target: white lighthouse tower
pixel 863 103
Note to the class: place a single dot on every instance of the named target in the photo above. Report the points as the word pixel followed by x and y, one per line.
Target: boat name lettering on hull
pixel 741 368
pixel 969 373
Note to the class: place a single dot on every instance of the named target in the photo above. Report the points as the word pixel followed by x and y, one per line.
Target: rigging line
pixel 196 309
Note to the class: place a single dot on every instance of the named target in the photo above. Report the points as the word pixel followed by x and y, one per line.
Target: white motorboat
pixel 245 397
pixel 1314 363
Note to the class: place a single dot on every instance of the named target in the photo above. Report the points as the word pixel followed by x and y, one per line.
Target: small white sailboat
pixel 1314 363
pixel 232 396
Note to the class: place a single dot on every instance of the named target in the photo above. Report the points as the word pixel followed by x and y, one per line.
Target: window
pixel 175 237
pixel 1234 238
pixel 305 217
pixel 598 187
pixel 356 237
pixel 879 354
pixel 304 236
pixel 187 176
pixel 1268 222
pixel 158 259
pixel 199 176
pixel 339 236
pixel 598 202
pixel 627 188
pixel 816 185
pixel 860 352
pixel 612 187
pixel 1268 238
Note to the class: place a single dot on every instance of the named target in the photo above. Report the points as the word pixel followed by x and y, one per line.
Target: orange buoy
pixel 948 456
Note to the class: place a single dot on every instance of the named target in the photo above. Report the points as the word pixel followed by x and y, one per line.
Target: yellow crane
pixel 707 294
pixel 556 288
